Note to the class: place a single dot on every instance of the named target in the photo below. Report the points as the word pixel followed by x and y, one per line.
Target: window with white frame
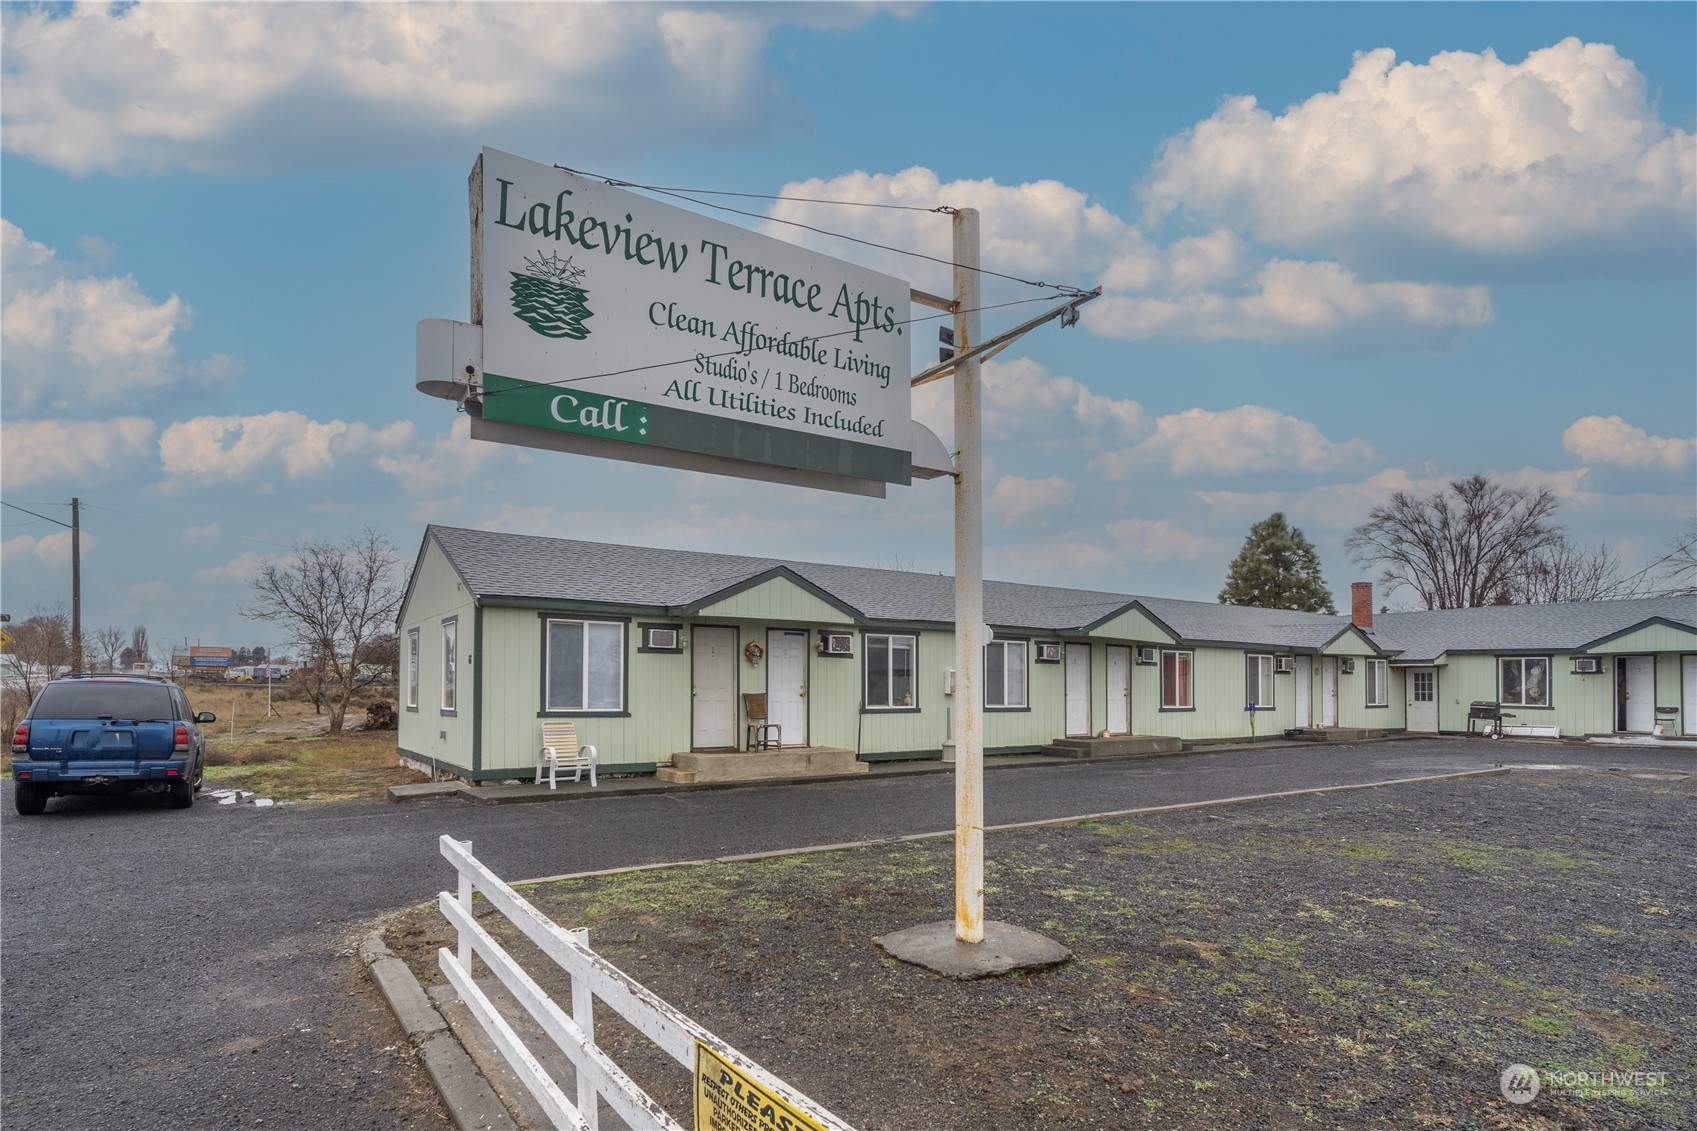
pixel 1425 685
pixel 1260 683
pixel 1176 681
pixel 450 663
pixel 584 666
pixel 412 669
pixel 1378 694
pixel 1004 673
pixel 1523 681
pixel 890 663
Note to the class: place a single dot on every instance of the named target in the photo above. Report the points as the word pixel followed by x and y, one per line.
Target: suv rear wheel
pixel 30 798
pixel 181 794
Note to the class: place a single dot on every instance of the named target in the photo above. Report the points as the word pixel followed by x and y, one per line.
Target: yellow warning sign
pixel 5 639
pixel 728 1099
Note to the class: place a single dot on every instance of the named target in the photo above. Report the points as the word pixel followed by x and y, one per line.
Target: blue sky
pixel 1346 249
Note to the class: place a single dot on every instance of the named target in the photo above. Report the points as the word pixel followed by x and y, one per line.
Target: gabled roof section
pixel 1567 627
pixel 527 567
pixel 1680 636
pixel 743 598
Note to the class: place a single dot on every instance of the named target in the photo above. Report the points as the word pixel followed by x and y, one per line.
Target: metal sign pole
pixel 969 593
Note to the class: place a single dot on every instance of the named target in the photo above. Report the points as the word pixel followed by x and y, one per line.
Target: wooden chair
pixel 560 747
pixel 760 730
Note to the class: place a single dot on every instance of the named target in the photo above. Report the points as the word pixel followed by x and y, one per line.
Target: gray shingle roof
pixel 562 569
pixel 1507 628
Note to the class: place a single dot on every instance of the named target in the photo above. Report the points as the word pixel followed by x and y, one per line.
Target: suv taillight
pixel 182 740
pixel 20 739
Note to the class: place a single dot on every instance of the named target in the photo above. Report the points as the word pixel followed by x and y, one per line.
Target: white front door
pixel 1422 684
pixel 1304 691
pixel 1119 690
pixel 1329 691
pixel 786 683
pixel 1688 680
pixel 1635 679
pixel 714 653
pixel 1078 690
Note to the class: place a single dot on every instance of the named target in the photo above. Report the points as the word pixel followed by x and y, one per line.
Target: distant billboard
pixel 210 657
pixel 609 315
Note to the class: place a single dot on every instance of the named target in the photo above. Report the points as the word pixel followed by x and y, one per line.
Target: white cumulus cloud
pixel 88 451
pixel 1558 161
pixel 77 341
pixel 1160 540
pixel 1209 286
pixel 1611 440
pixel 240 87
pixel 240 447
pixel 1018 501
pixel 1246 439
pixel 1319 304
pixel 50 549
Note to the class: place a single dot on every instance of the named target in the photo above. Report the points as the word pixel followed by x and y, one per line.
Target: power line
pixel 487 393
pixel 682 194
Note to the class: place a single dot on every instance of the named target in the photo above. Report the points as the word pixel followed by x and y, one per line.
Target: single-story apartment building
pixel 651 651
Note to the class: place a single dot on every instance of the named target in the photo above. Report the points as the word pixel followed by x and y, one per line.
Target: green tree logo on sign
pixel 547 297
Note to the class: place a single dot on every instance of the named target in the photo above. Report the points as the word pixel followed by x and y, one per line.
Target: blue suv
pixel 108 734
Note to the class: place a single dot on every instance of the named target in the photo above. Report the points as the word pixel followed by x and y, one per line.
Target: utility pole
pixel 76 586
pixel 969 591
pixel 971 946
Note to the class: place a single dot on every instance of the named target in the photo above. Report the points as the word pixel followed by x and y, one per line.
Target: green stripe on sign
pixel 566 410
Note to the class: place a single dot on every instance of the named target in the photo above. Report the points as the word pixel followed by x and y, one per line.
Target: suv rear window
pixel 139 702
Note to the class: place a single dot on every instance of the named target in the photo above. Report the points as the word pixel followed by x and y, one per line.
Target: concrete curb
pixel 471 1102
pixel 1052 822
pixel 475 794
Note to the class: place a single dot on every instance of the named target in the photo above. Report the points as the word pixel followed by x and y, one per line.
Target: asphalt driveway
pixel 167 969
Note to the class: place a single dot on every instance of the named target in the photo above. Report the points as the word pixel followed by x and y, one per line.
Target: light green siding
pixel 657 698
pixel 1651 638
pixel 436 596
pixel 1579 704
pixel 1132 625
pixel 778 599
pixel 1350 643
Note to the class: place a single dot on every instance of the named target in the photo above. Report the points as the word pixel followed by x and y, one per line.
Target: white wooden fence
pixel 593 976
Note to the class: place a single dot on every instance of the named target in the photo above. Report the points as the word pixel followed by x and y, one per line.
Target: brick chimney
pixel 1361 604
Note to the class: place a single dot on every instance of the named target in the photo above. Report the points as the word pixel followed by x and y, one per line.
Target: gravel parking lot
pixel 1372 959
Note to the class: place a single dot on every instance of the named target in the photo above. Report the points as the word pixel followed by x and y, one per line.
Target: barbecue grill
pixel 1483 710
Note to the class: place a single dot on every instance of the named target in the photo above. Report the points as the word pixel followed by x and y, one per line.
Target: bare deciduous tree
pixel 108 645
pixel 333 599
pixel 1461 547
pixel 40 649
pixel 1674 572
pixel 1563 571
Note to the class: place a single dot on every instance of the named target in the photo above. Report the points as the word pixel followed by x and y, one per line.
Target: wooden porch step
pixel 699 767
pixel 1119 746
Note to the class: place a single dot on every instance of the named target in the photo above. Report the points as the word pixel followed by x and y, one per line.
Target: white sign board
pixel 608 314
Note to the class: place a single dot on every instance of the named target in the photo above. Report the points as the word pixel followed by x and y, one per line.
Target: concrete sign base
pixel 1005 947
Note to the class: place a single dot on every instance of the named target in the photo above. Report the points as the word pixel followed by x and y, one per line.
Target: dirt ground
pixel 1372 959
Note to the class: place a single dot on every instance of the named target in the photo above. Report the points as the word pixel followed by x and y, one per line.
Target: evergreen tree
pixel 1277 569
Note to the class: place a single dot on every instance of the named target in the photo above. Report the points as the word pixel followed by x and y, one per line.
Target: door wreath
pixel 753 651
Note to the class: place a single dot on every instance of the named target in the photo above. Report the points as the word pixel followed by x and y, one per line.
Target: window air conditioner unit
pixel 1148 655
pixel 1586 665
pixel 1347 666
pixel 664 638
pixel 1284 665
pixel 1048 652
pixel 837 644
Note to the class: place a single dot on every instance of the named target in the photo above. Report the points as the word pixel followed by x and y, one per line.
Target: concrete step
pixel 1119 746
pixel 1332 734
pixel 697 767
